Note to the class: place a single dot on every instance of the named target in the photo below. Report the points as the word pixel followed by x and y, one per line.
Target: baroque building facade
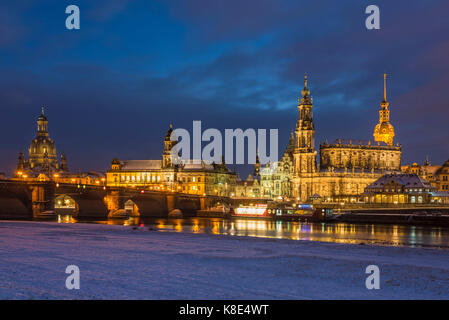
pixel 401 188
pixel 345 167
pixel 249 188
pixel 193 176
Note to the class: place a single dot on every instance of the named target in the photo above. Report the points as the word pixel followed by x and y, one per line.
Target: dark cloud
pixel 113 88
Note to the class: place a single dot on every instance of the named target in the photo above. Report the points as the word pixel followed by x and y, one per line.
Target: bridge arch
pixel 127 208
pixel 66 205
pixel 131 208
pixel 82 203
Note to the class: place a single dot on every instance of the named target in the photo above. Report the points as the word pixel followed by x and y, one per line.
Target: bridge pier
pixel 43 198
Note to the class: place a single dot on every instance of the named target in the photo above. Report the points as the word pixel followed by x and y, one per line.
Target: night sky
pixel 112 88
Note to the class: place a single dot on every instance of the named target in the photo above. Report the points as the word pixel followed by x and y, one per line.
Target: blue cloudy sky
pixel 112 88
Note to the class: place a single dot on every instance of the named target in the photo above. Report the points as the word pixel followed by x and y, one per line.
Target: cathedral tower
pixel 168 145
pixel 305 153
pixel 42 151
pixel 384 130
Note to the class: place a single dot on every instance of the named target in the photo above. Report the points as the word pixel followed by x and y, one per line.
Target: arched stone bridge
pixel 27 199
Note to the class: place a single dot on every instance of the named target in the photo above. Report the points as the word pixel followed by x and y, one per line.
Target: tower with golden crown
pixel 384 130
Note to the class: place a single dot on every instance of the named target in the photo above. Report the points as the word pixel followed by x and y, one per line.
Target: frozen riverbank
pixel 117 262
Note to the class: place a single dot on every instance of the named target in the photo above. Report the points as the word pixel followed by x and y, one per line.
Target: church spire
pixel 305 92
pixel 42 124
pixel 384 104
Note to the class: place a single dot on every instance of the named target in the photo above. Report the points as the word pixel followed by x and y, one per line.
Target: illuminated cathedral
pixel 42 156
pixel 345 167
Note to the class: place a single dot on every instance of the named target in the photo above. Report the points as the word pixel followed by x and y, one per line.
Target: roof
pixel 406 180
pixel 141 164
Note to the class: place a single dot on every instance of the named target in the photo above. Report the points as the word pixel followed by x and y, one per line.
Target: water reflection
pixel 393 235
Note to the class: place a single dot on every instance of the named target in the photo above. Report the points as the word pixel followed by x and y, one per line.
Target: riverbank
pixel 415 219
pixel 119 262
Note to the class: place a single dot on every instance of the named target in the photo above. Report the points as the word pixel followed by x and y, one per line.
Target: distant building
pixel 437 175
pixel 401 189
pixel 276 177
pixel 442 177
pixel 193 177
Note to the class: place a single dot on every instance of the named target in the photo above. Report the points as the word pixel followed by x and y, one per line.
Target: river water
pixel 373 234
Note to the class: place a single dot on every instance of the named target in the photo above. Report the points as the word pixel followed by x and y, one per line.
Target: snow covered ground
pixel 117 262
